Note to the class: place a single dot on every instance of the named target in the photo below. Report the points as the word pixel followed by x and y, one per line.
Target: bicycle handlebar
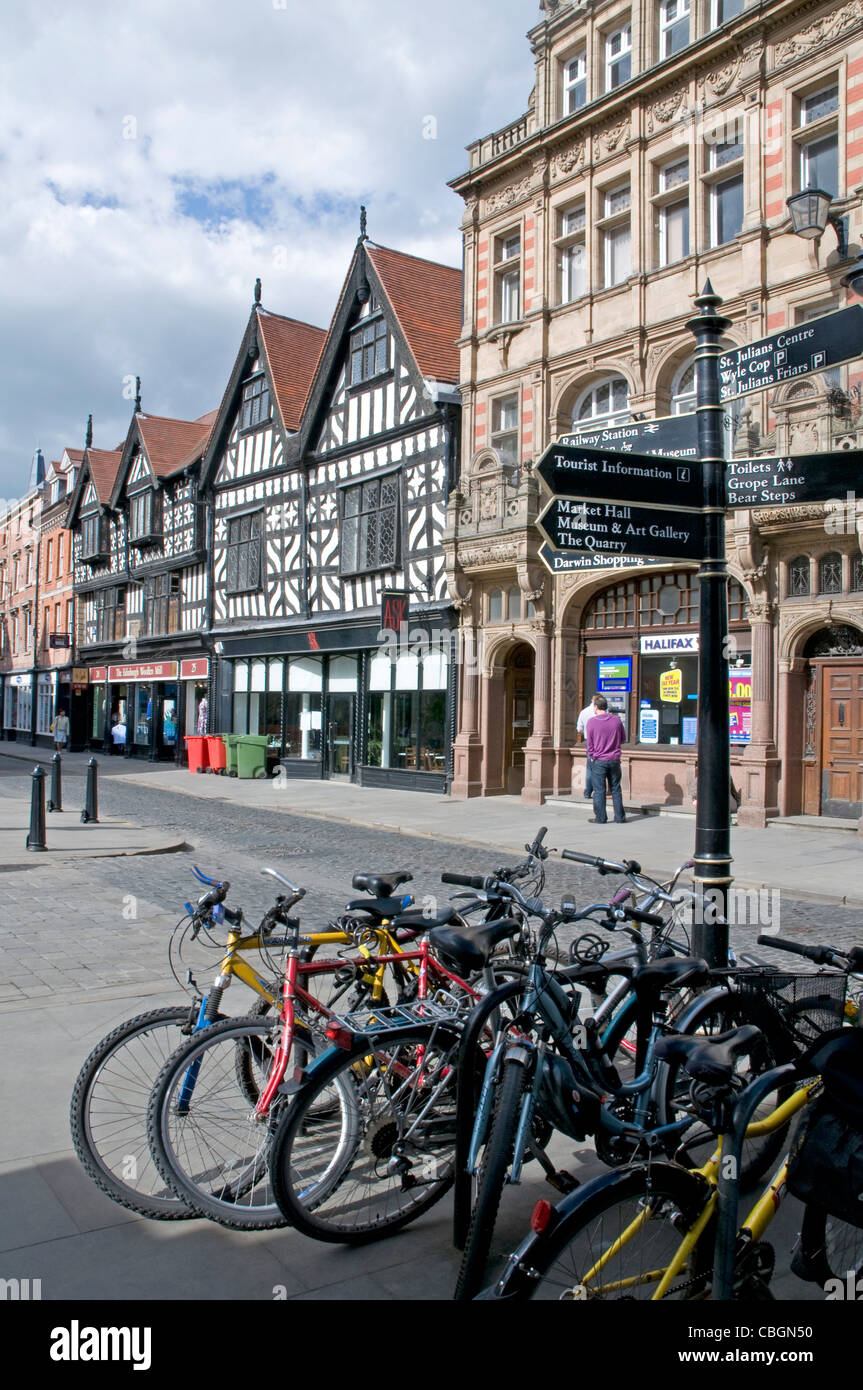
pixel 605 866
pixel 469 880
pixel 819 955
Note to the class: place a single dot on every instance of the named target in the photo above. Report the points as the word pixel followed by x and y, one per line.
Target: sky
pixel 158 155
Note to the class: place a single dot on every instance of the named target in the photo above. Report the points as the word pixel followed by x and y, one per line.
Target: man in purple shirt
pixel 605 735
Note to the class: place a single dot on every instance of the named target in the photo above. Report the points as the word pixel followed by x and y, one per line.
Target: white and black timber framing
pixel 289 473
pixel 142 597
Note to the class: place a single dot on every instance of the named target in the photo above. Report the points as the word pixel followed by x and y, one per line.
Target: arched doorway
pixel 518 714
pixel 833 726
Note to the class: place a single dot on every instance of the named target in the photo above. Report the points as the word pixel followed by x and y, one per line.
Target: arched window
pixel 495 606
pixel 683 397
pixel 830 573
pixel 658 600
pixel 798 577
pixel 513 604
pixel 604 403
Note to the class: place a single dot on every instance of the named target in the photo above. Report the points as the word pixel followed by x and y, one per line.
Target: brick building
pixel 659 146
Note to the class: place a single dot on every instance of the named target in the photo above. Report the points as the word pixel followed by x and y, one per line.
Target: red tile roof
pixel 103 471
pixel 292 350
pixel 172 444
pixel 427 301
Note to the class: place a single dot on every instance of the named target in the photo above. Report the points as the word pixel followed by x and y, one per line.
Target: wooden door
pixel 519 716
pixel 842 741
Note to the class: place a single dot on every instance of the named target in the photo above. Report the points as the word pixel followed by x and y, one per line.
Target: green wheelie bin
pixel 252 755
pixel 231 741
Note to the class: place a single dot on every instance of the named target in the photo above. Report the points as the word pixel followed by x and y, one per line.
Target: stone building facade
pixel 660 143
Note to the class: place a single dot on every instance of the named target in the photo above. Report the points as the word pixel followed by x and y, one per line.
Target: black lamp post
pixel 712 813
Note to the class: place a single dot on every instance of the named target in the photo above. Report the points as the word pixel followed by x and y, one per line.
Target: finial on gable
pixel 88 442
pixel 137 395
pixel 258 290
pixel 364 234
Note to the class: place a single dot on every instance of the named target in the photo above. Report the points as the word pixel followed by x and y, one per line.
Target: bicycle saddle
pixel 409 925
pixel 379 908
pixel 468 949
pixel 669 973
pixel 380 885
pixel 710 1059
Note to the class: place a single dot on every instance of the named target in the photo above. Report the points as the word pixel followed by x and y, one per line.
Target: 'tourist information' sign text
pixel 575 471
pixel 611 528
pixel 807 347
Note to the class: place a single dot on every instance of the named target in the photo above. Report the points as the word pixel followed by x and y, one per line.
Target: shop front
pixel 340 704
pixel 18 705
pixel 639 643
pixel 143 709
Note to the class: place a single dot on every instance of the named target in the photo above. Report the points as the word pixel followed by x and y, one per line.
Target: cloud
pixel 159 156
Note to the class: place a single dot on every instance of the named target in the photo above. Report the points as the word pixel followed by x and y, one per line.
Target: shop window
pixel 799 577
pixel 303 703
pixel 406 725
pixel 830 574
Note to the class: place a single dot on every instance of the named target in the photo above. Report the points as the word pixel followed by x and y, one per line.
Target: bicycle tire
pixel 368 1145
pixel 560 1263
pixel 209 1145
pixel 108 1112
pixel 718 1015
pixel 498 1155
pixel 830 1249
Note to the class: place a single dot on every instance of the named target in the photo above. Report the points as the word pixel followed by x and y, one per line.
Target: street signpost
pixel 576 471
pixel 671 436
pixel 618 529
pixel 574 561
pixel 765 482
pixel 807 347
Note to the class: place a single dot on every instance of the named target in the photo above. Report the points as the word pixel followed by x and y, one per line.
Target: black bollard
pixel 55 800
pixel 91 800
pixel 36 838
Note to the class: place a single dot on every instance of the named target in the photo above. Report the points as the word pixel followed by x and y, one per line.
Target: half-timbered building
pixel 141 581
pixel 329 470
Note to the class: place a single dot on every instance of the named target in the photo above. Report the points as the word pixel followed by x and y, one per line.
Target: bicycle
pixel 657 1230
pixel 111 1093
pixel 368 1143
pixel 218 1099
pixel 556 1072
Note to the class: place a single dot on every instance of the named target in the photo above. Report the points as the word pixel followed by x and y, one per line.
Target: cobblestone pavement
pixel 107 922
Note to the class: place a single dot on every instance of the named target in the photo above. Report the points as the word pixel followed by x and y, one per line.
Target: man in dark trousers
pixel 605 735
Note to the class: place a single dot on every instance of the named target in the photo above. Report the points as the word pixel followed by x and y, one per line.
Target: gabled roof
pixel 293 350
pixel 103 465
pixel 171 444
pixel 427 301
pixel 99 465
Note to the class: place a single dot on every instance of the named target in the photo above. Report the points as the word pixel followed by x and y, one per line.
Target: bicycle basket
pixel 807 1004
pixel 825 1166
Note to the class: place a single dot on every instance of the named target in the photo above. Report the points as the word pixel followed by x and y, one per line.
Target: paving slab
pixel 66 837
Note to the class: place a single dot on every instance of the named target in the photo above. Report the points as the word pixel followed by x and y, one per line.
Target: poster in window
pixel 648 726
pixel 740 705
pixel 671 687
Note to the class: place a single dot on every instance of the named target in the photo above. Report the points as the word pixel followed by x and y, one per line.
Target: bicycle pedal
pixel 562 1181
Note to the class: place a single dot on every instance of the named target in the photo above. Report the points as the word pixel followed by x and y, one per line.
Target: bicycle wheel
pixel 614 1239
pixel 205 1135
pixel 368 1144
pixel 489 1181
pixel 829 1248
pixel 108 1114
pixel 714 1015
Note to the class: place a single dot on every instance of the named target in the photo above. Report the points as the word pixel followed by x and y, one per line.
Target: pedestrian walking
pixel 605 734
pixel 60 730
pixel 118 734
